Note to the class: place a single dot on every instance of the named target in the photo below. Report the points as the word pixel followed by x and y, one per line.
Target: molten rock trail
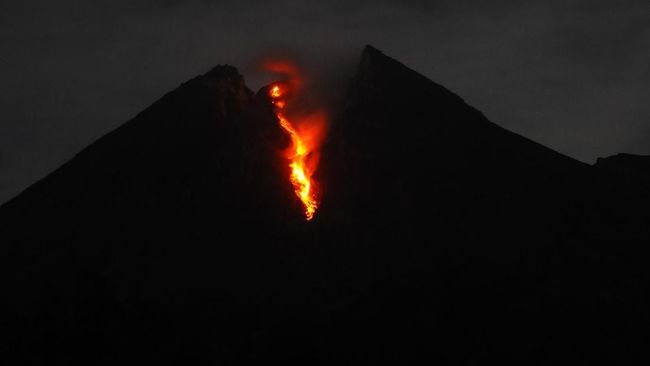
pixel 300 173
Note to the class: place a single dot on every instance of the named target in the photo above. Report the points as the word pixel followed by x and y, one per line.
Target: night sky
pixel 572 75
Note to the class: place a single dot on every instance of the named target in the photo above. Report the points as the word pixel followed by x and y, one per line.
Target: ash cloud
pixel 570 74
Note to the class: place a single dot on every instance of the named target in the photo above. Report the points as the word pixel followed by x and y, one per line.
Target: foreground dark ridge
pixel 441 237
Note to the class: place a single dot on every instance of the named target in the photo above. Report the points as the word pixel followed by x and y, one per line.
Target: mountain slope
pixel 499 241
pixel 635 169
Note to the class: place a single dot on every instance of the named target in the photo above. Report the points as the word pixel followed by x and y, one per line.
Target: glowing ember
pixel 300 173
pixel 275 91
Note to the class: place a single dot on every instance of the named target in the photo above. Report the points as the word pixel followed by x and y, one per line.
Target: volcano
pixel 439 237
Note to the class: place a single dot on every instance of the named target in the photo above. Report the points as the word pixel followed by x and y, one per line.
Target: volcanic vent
pixel 440 238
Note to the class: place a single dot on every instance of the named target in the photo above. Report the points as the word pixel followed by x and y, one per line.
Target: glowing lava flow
pixel 300 174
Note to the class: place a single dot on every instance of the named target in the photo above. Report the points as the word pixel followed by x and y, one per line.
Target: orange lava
pixel 300 150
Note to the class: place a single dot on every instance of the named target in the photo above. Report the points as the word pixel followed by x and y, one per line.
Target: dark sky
pixel 573 75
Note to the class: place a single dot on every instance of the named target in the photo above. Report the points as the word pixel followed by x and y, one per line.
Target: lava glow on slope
pixel 302 154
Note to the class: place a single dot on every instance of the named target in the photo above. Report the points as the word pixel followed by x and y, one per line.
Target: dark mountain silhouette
pixel 441 237
pixel 635 169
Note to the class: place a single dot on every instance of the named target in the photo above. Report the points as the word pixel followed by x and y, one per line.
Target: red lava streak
pixel 302 155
